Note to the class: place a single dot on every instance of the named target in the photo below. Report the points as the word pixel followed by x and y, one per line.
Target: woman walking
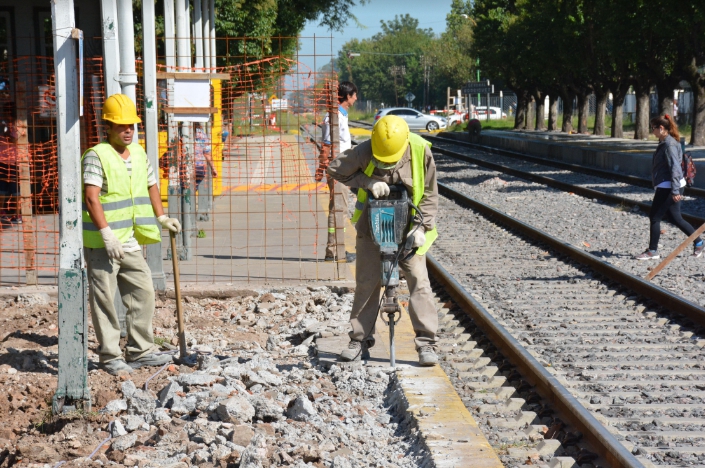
pixel 667 177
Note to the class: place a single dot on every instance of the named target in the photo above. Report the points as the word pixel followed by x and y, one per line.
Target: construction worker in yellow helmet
pixel 392 156
pixel 122 210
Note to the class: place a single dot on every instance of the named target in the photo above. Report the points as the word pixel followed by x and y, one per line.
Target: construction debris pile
pixel 256 398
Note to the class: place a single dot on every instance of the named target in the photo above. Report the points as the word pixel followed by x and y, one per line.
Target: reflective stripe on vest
pixel 127 206
pixel 418 174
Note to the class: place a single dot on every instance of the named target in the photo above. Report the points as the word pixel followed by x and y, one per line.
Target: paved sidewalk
pixel 270 223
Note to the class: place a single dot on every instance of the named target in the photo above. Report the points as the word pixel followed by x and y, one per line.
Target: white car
pixel 415 119
pixel 480 113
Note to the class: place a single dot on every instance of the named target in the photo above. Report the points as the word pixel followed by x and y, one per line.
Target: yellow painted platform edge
pixel 451 434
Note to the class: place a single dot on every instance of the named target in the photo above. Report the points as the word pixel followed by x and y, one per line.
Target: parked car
pixel 480 113
pixel 415 119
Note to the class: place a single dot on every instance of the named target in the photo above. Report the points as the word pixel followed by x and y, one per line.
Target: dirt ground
pixel 29 434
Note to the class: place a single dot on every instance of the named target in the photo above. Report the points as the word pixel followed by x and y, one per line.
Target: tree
pixel 389 64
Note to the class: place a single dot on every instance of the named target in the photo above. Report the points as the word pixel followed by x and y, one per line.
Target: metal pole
pixel 72 390
pixel 128 73
pixel 211 13
pixel 183 62
pixel 151 125
pixel 202 32
pixel 173 188
pixel 198 33
pixel 111 51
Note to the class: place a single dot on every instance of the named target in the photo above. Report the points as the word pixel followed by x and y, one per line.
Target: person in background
pixel 347 95
pixel 9 175
pixel 669 183
pixel 202 155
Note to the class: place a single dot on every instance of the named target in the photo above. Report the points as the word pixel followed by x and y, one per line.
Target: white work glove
pixel 171 224
pixel 378 188
pixel 112 244
pixel 416 238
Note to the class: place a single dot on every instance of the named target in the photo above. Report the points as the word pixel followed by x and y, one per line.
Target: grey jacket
pixel 348 168
pixel 666 164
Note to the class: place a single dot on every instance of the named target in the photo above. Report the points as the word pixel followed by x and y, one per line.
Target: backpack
pixel 688 169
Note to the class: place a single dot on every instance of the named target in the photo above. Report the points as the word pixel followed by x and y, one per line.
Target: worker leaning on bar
pixel 392 156
pixel 120 201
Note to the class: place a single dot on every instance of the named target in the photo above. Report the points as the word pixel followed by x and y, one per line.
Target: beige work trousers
pixel 368 292
pixel 338 201
pixel 134 280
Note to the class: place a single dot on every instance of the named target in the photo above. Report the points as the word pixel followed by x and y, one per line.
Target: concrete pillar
pixel 72 391
pixel 203 63
pixel 126 39
pixel 151 125
pixel 173 187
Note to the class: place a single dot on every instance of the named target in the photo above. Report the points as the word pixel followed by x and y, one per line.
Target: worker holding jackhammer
pixel 347 95
pixel 392 156
pixel 122 210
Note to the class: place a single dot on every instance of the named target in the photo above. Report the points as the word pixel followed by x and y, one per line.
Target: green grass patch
pixel 160 340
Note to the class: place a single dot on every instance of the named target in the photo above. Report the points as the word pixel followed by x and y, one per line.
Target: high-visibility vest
pixel 127 205
pixel 418 174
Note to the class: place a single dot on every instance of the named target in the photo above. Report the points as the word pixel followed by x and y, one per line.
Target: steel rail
pixel 665 298
pixel 546 384
pixel 564 186
pixel 632 180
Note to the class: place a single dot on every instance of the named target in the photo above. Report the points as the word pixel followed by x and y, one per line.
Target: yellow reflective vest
pixel 418 173
pixel 127 206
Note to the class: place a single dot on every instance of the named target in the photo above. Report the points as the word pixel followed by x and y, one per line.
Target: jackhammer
pixel 389 221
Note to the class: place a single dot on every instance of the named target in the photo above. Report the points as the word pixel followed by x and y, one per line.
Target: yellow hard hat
pixel 390 138
pixel 120 109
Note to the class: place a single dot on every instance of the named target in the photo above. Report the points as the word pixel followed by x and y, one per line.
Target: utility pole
pixel 72 391
pixel 399 70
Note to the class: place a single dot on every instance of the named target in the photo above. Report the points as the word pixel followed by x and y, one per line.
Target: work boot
pixel 150 360
pixel 427 356
pixel 115 367
pixel 356 350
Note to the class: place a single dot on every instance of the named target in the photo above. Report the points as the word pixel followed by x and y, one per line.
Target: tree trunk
pixel 641 131
pixel 540 110
pixel 530 113
pixel 665 97
pixel 583 110
pixel 568 98
pixel 618 96
pixel 520 118
pixel 600 111
pixel 697 136
pixel 552 112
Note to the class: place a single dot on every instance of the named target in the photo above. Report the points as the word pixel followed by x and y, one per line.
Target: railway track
pixel 527 168
pixel 604 174
pixel 619 361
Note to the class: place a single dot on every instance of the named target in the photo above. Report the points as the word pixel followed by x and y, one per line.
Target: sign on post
pixel 478 87
pixel 410 96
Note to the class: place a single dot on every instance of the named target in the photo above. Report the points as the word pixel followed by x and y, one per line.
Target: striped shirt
pixel 93 174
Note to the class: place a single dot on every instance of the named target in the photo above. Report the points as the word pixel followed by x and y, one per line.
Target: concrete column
pixel 188 200
pixel 173 187
pixel 198 33
pixel 206 19
pixel 151 125
pixel 211 13
pixel 72 391
pixel 111 50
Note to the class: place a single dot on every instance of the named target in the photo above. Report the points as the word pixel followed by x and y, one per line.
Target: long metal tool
pixel 177 291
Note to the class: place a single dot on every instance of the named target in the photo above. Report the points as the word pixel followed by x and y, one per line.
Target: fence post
pixel 337 190
pixel 72 391
pixel 23 164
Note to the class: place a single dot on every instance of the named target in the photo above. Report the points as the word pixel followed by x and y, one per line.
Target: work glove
pixel 171 224
pixel 323 161
pixel 416 238
pixel 378 188
pixel 112 244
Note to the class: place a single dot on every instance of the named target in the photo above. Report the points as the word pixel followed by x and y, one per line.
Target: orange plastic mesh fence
pixel 241 179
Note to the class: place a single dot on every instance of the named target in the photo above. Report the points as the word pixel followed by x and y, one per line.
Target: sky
pixel 430 13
